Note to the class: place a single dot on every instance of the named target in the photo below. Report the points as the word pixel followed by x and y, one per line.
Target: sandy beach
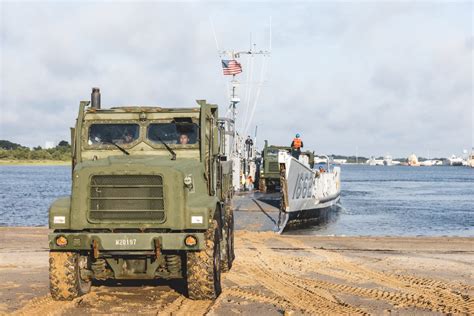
pixel 272 275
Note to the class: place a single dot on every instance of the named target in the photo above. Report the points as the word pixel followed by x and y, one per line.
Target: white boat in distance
pixel 307 195
pixel 454 161
pixel 387 160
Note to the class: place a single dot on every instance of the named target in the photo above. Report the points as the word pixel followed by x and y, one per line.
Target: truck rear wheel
pixel 228 242
pixel 65 282
pixel 204 268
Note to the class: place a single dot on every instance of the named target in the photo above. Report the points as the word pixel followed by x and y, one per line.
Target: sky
pixel 372 78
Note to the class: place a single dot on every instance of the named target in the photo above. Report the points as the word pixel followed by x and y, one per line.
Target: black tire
pixel 231 239
pixel 270 188
pixel 262 186
pixel 227 254
pixel 203 268
pixel 65 282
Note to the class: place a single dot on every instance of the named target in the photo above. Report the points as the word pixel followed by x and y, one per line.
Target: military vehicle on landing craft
pixel 269 177
pixel 151 192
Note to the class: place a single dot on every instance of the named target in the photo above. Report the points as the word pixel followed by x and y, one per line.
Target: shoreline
pixel 302 235
pixel 297 235
pixel 10 162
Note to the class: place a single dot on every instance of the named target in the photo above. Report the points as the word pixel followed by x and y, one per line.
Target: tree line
pixel 13 151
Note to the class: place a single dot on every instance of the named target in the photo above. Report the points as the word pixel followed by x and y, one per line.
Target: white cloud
pixel 385 77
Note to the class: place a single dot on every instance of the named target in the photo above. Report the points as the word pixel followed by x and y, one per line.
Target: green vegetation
pixel 17 152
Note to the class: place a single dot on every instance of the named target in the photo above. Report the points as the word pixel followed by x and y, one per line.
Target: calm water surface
pixel 376 200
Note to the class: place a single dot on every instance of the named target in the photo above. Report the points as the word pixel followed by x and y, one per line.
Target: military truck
pixel 150 198
pixel 269 179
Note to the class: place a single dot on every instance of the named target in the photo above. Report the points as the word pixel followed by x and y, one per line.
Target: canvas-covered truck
pixel 150 198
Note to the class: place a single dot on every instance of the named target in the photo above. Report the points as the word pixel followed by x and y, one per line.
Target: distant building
pixel 49 144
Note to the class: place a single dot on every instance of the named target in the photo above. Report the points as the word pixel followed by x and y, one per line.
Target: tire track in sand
pixel 308 300
pixel 427 282
pixel 185 306
pixel 258 297
pixel 441 298
pixel 45 305
pixel 400 297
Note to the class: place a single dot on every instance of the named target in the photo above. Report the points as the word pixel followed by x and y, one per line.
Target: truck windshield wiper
pixel 173 154
pixel 115 144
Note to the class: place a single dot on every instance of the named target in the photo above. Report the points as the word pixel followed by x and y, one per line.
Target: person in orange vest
pixel 296 146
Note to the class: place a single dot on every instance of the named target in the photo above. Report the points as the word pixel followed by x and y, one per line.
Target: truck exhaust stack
pixel 95 98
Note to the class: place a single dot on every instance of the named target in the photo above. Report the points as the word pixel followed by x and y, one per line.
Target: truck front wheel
pixel 262 186
pixel 204 268
pixel 65 281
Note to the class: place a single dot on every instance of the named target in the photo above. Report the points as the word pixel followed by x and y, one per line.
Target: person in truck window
pixel 128 138
pixel 183 139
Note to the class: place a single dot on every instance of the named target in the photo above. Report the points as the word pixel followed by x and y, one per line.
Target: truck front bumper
pixel 125 241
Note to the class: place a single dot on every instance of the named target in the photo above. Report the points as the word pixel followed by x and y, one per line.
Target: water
pixel 26 193
pixel 408 201
pixel 376 200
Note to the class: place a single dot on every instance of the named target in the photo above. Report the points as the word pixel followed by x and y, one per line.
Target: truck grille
pixel 273 166
pixel 127 197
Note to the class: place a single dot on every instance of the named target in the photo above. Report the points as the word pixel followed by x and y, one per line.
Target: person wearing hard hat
pixel 296 146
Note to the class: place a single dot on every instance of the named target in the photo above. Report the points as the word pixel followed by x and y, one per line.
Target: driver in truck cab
pixel 183 139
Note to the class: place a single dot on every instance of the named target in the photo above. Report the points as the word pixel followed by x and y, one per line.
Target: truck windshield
pixel 174 133
pixel 113 133
pixel 272 152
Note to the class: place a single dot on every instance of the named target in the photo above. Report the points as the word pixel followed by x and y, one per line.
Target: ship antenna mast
pixel 234 100
pixel 234 147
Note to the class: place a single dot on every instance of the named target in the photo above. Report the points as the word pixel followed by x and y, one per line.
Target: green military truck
pixel 151 192
pixel 269 178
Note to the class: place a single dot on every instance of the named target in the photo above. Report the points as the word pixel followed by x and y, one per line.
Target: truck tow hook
pixel 95 248
pixel 157 248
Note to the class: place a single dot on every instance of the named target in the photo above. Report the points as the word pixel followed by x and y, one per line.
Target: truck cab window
pixel 272 152
pixel 100 134
pixel 174 133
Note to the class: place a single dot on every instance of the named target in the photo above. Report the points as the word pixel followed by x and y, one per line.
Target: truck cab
pixel 269 180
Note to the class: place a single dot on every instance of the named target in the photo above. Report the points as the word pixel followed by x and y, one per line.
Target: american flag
pixel 231 67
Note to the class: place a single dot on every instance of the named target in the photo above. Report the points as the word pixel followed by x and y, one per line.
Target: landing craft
pixel 307 195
